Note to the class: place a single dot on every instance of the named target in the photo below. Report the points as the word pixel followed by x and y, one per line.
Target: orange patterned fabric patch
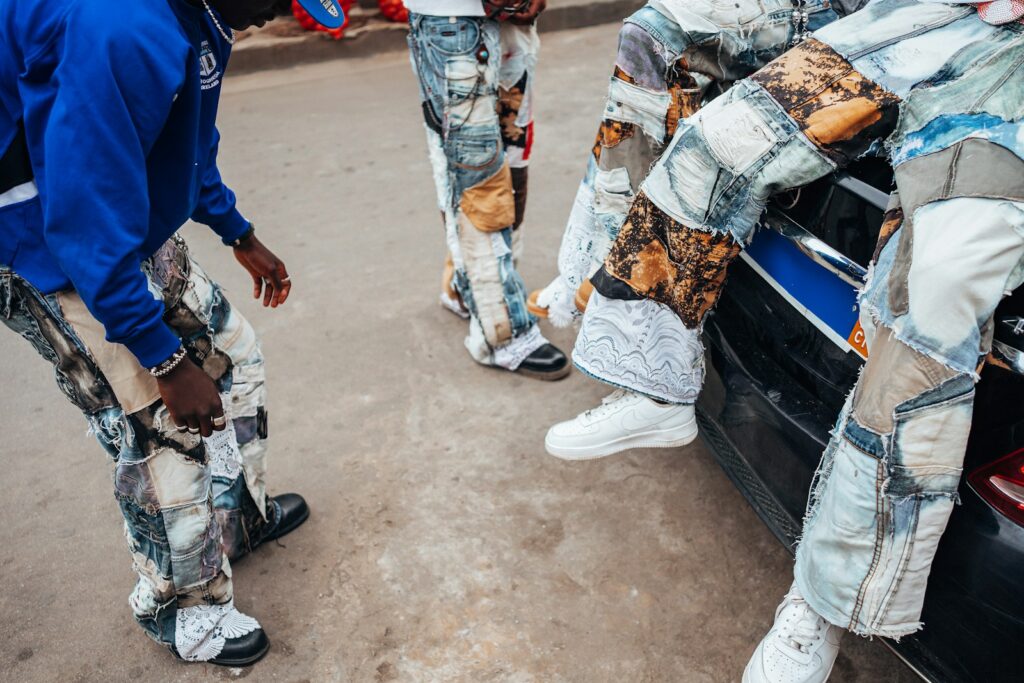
pixel 685 94
pixel 836 107
pixel 611 133
pixel 661 259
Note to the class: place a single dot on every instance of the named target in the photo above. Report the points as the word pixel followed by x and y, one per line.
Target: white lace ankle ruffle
pixel 200 631
pixel 511 355
pixel 560 301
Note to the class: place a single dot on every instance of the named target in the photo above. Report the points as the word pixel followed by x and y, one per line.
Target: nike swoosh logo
pixel 634 424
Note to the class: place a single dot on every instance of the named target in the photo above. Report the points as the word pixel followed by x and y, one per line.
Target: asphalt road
pixel 444 544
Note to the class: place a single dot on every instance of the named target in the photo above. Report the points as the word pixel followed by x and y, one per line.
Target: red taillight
pixel 1001 484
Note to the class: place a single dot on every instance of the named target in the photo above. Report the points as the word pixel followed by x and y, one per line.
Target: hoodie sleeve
pixel 216 206
pixel 115 89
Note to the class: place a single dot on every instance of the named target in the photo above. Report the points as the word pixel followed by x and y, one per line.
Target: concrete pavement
pixel 444 544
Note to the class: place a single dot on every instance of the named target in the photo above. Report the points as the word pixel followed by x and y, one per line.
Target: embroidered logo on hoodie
pixel 208 67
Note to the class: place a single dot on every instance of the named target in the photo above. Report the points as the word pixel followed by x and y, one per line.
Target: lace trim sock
pixel 560 300
pixel 200 631
pixel 511 355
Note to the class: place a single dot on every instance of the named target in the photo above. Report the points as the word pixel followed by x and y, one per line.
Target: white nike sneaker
pixel 801 647
pixel 624 420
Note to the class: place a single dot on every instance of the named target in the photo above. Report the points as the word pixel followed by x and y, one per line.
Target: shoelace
pixel 607 402
pixel 802 630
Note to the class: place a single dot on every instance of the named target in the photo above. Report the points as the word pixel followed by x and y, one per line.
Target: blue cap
pixel 327 13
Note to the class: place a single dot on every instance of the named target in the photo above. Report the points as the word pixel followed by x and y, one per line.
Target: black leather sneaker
pixel 289 511
pixel 547 363
pixel 241 651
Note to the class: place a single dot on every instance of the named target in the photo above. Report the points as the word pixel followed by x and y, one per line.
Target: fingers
pixel 179 422
pixel 282 285
pixel 205 425
pixel 531 14
pixel 268 293
pixel 279 285
pixel 257 285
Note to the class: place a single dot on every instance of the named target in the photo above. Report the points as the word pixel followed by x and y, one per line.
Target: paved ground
pixel 445 545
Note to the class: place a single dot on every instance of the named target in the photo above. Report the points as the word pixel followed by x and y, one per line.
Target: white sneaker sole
pixel 664 438
pixel 748 678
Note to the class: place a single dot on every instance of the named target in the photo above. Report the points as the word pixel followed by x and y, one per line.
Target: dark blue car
pixel 785 350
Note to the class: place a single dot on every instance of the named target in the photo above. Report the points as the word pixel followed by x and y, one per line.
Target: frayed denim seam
pixel 876 317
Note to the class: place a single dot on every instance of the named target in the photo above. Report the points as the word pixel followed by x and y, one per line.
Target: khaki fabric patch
pixel 661 259
pixel 482 269
pixel 134 387
pixel 836 107
pixel 491 205
pixel 894 373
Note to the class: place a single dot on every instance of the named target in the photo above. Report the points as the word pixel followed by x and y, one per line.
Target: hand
pixel 191 398
pixel 269 275
pixel 530 14
pixel 527 13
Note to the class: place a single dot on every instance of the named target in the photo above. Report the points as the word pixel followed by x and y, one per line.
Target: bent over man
pixel 475 64
pixel 108 145
pixel 941 86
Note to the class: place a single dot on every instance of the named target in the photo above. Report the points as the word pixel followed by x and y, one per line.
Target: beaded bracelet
pixel 169 364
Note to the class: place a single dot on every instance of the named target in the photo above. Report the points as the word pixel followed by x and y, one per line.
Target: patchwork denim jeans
pixel 189 504
pixel 476 79
pixel 672 55
pixel 942 93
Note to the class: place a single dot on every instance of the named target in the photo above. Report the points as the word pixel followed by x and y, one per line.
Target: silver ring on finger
pixel 220 421
pixel 193 430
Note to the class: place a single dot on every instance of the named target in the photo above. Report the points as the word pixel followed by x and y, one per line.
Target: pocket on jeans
pixel 448 37
pixel 728 12
pixel 612 192
pixel 474 154
pixel 930 443
pixel 851 493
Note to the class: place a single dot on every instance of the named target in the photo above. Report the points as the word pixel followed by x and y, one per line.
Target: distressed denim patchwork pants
pixel 945 92
pixel 476 79
pixel 189 504
pixel 672 55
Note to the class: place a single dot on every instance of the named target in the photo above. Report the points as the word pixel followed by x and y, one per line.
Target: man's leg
pixel 457 61
pixel 183 598
pixel 888 481
pixel 519 48
pixel 802 116
pixel 668 61
pixel 207 322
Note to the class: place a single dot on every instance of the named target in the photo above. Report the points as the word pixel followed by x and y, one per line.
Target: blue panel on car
pixel 831 301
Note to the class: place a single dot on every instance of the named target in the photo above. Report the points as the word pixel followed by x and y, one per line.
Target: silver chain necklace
pixel 230 37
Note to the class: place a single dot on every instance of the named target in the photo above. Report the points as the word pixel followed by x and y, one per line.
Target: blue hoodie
pixel 118 100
